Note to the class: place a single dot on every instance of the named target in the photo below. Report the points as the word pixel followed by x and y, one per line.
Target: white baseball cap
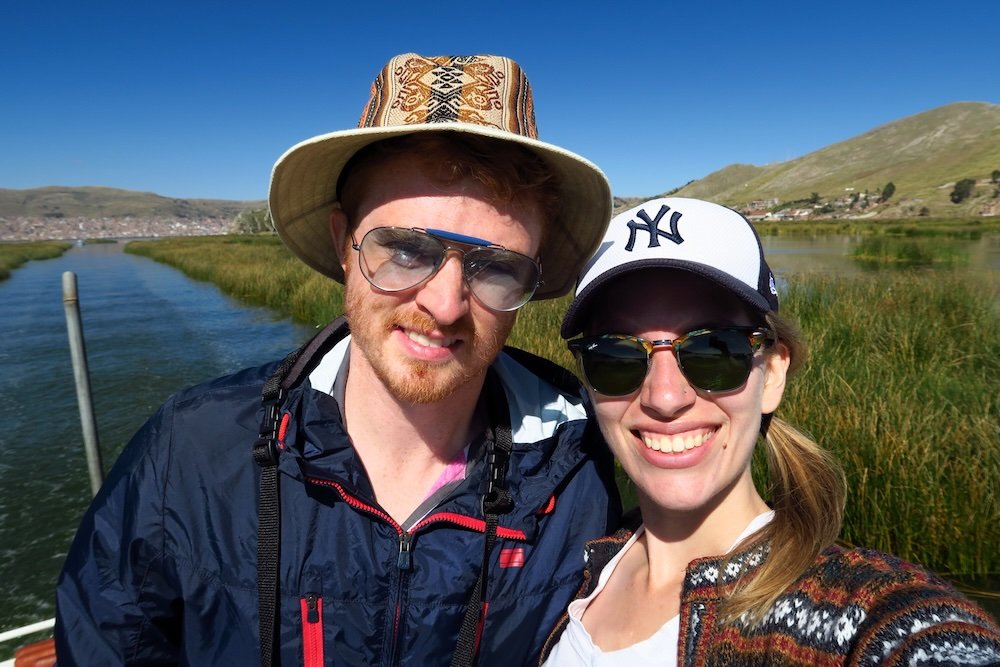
pixel 707 239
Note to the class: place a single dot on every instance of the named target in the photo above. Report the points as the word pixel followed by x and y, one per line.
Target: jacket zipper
pixel 312 630
pixel 404 559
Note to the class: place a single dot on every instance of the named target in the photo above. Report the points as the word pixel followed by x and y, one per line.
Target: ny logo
pixel 652 226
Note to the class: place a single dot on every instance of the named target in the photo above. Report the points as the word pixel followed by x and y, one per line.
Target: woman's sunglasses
pixel 712 360
pixel 394 259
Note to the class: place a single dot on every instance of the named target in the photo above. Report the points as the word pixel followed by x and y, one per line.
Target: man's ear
pixel 775 374
pixel 338 231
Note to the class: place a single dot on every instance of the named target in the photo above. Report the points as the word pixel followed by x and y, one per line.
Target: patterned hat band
pixel 484 95
pixel 482 90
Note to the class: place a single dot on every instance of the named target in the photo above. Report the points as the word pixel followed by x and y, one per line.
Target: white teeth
pixel 675 443
pixel 427 342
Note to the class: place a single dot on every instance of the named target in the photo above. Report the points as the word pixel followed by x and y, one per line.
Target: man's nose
pixel 445 296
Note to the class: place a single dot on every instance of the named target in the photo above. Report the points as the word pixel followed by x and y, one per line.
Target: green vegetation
pixel 963 190
pixel 967 228
pixel 13 255
pixel 888 191
pixel 881 251
pixel 257 269
pixel 901 384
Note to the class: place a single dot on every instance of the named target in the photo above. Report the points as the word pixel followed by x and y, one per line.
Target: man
pixel 419 496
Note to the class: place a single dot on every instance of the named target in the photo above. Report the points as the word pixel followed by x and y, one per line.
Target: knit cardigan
pixel 851 607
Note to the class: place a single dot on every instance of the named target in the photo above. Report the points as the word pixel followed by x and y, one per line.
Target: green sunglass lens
pixel 716 361
pixel 615 367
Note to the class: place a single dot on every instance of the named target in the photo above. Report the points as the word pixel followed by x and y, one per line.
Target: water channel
pixel 150 331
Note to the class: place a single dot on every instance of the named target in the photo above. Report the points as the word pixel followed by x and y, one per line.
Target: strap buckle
pixel 265 448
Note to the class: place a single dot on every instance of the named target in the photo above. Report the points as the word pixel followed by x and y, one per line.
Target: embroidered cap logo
pixel 653 228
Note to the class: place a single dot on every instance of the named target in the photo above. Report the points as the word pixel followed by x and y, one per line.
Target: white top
pixel 576 647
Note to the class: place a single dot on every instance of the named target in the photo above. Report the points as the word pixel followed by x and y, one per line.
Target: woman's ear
pixel 775 373
pixel 338 231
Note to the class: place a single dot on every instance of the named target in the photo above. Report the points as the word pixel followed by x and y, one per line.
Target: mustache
pixel 463 328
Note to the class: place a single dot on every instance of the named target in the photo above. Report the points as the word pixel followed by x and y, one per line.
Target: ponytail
pixel 807 494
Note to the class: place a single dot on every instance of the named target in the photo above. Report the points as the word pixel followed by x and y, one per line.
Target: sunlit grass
pixel 901 384
pixel 13 255
pixel 964 228
pixel 259 270
pixel 909 252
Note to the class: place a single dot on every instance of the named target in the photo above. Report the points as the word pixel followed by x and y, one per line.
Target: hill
pixel 922 155
pixel 100 202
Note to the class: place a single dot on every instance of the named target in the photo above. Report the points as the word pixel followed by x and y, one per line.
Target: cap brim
pixel 578 312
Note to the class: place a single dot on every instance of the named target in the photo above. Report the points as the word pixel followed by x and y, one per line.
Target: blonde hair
pixel 807 492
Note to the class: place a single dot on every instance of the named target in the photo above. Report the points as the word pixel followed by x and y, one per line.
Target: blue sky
pixel 198 99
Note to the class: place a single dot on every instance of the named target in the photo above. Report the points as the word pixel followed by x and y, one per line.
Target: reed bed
pixel 901 384
pixel 959 228
pixel 909 252
pixel 258 270
pixel 13 255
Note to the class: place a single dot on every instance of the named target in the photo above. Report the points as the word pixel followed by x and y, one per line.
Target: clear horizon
pixel 189 101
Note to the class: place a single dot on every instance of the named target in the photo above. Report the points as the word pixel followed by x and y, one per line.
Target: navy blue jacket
pixel 163 567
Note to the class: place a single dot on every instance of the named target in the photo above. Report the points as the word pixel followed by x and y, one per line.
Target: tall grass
pixel 964 228
pixel 13 255
pixel 901 384
pixel 256 269
pixel 880 251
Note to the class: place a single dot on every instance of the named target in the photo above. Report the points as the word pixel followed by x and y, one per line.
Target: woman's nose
pixel 665 389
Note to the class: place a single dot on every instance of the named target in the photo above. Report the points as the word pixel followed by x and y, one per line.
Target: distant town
pixel 851 203
pixel 72 228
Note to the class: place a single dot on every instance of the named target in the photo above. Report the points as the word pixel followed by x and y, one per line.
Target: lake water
pixel 149 332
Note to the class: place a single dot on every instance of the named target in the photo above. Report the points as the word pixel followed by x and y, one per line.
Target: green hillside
pixel 922 155
pixel 99 202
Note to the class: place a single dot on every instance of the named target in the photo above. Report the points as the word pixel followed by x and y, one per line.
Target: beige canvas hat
pixel 484 95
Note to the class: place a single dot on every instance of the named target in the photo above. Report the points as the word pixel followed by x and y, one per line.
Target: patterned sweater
pixel 852 607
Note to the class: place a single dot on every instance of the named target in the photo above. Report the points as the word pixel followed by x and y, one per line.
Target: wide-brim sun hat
pixel 707 239
pixel 484 95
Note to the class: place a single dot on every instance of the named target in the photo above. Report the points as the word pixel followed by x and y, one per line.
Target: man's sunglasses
pixel 394 259
pixel 712 360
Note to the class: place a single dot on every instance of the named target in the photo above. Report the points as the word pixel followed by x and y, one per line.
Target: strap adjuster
pixel 265 452
pixel 265 448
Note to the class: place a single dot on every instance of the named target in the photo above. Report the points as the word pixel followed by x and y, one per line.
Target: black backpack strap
pixel 496 501
pixel 266 450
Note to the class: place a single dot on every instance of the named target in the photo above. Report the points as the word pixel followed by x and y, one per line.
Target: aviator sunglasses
pixel 394 259
pixel 712 360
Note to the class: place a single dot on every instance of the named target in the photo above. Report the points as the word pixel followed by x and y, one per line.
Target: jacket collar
pixel 317 446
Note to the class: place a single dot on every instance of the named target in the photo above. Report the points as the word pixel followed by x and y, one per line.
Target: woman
pixel 685 359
